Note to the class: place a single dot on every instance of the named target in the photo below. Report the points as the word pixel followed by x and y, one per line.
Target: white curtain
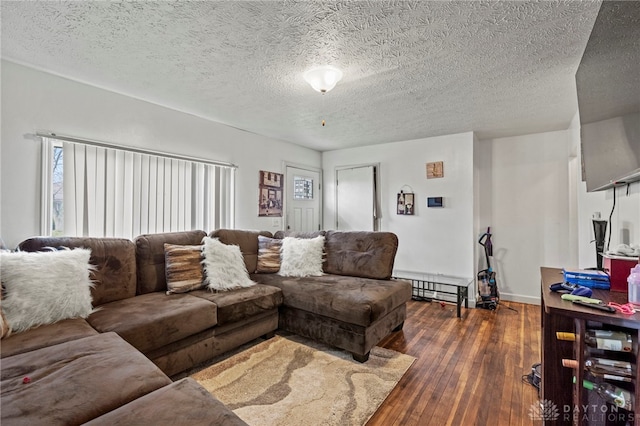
pixel 118 193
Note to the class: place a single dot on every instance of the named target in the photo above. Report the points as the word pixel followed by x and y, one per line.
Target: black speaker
pixel 599 232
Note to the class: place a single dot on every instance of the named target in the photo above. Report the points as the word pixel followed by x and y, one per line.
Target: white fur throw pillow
pixel 224 266
pixel 302 257
pixel 45 287
pixel 5 330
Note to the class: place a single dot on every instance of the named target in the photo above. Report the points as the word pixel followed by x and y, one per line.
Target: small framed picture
pixel 435 170
pixel 406 203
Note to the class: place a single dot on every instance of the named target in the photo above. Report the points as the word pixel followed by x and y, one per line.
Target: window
pixel 102 191
pixel 302 188
pixel 57 193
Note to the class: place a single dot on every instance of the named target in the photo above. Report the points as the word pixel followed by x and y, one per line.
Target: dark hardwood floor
pixel 468 371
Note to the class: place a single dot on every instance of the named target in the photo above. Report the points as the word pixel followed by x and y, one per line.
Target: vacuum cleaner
pixel 488 294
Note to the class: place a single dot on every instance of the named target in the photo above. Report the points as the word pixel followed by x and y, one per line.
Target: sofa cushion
pixel 242 303
pixel 354 300
pixel 114 258
pixel 45 287
pixel 184 402
pixel 246 240
pixel 360 253
pixel 74 382
pixel 150 259
pixel 150 321
pixel 183 268
pixel 268 255
pixel 46 335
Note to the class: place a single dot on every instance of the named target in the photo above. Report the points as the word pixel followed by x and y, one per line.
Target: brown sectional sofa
pixel 97 370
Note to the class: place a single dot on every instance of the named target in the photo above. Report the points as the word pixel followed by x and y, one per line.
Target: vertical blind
pixel 120 193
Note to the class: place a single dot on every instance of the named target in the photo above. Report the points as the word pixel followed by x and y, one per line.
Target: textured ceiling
pixel 412 69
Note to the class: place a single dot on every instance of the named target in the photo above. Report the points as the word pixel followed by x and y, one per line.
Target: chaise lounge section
pixel 353 305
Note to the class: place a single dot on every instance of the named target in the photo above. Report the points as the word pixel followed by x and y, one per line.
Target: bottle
pixel 634 285
pixel 612 394
pixel 602 339
pixel 604 368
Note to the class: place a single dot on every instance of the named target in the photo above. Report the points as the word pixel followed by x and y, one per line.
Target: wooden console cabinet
pixel 573 403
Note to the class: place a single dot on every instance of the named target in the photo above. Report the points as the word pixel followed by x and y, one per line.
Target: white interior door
pixel 303 200
pixel 356 198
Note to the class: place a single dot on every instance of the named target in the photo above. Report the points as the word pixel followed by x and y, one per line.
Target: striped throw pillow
pixel 268 255
pixel 183 268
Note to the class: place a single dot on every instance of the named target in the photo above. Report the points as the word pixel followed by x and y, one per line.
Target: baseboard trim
pixel 531 300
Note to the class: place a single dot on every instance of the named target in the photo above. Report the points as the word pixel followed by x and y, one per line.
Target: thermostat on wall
pixel 434 202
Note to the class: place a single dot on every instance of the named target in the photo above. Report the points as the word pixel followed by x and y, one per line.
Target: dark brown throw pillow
pixel 183 268
pixel 268 255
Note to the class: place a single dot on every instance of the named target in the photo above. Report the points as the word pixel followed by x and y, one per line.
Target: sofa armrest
pixel 114 259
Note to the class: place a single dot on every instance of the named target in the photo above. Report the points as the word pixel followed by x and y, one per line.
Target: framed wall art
pixel 270 194
pixel 406 203
pixel 435 170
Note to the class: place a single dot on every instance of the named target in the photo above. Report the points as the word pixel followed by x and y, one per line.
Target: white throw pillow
pixel 45 287
pixel 224 266
pixel 5 330
pixel 302 257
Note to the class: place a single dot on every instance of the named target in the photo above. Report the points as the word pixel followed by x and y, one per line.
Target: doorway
pixel 304 199
pixel 357 198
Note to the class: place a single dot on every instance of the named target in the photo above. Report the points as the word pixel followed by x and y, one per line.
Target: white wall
pixel 36 101
pixel 530 210
pixel 435 240
pixel 483 201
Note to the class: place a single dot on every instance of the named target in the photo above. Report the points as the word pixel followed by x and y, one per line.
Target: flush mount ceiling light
pixel 323 79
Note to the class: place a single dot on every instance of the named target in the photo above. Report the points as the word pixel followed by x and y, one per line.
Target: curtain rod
pixel 72 139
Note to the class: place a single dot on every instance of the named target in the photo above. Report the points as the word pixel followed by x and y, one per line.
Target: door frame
pixel 287 193
pixel 376 196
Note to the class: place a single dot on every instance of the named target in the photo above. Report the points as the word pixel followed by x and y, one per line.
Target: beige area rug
pixel 289 380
